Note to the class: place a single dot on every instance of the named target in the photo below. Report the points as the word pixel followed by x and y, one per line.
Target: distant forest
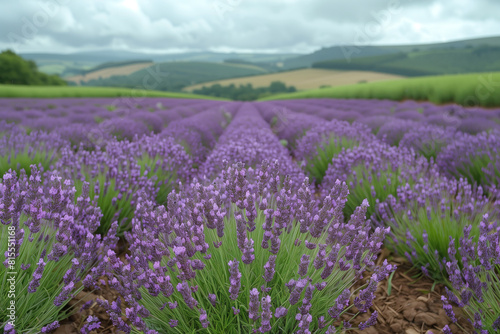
pixel 245 92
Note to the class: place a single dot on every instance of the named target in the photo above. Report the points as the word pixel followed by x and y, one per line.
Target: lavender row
pixel 249 139
pixel 405 178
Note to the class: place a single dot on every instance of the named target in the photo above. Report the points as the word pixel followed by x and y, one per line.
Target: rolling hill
pixel 427 62
pixel 108 72
pixel 75 63
pixel 173 76
pixel 339 52
pixel 303 79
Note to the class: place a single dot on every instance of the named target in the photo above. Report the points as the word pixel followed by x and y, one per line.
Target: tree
pixel 17 71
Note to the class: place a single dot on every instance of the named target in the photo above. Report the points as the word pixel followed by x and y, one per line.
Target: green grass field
pixel 71 91
pixel 479 89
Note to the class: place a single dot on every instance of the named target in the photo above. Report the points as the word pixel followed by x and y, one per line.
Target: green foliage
pixel 244 92
pixel 431 148
pixel 318 164
pixel 474 170
pixel 17 71
pixel 490 308
pixel 439 225
pixel 24 159
pixel 460 89
pixel 365 182
pixel 163 177
pixel 115 205
pixel 34 310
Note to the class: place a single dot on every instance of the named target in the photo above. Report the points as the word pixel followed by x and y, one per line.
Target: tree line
pixel 245 92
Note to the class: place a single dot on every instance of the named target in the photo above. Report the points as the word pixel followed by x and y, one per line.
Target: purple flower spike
pixel 370 322
pixel 212 298
pixel 266 314
pixel 234 279
pixel 254 304
pixel 204 318
pixel 269 268
pixel 280 312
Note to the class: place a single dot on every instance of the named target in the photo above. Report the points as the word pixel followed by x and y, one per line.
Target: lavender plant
pixel 164 161
pixel 475 158
pixel 289 126
pixel 246 254
pixel 19 150
pixel 374 172
pixel 392 132
pixel 200 132
pixel 115 180
pixel 429 140
pixel 476 285
pixel 47 248
pixel 325 141
pixel 249 139
pixel 423 218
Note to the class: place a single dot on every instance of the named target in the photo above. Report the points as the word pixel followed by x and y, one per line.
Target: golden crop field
pixel 109 72
pixel 304 79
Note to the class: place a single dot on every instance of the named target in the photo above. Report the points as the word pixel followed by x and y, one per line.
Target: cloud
pixel 232 25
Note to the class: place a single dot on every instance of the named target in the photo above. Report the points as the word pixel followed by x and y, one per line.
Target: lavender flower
pixel 212 298
pixel 91 324
pixel 304 264
pixel 370 322
pixel 235 279
pixel 269 268
pixel 254 304
pixel 204 318
pixel 266 314
pixel 280 312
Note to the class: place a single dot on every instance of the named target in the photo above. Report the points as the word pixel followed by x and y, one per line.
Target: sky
pixel 266 26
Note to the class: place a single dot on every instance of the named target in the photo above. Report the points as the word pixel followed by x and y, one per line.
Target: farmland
pixel 109 72
pixel 173 76
pixel 304 79
pixel 181 215
pixel 479 89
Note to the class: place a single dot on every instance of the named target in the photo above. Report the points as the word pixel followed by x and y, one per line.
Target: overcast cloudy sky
pixel 238 25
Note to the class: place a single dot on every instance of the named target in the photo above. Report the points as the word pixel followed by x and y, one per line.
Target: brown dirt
pixel 413 305
pixel 75 322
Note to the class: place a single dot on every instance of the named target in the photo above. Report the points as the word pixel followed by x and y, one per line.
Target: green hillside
pixel 173 76
pixel 65 91
pixel 482 89
pixel 427 62
pixel 344 53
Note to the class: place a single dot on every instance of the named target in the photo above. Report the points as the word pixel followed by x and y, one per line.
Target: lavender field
pixel 161 215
